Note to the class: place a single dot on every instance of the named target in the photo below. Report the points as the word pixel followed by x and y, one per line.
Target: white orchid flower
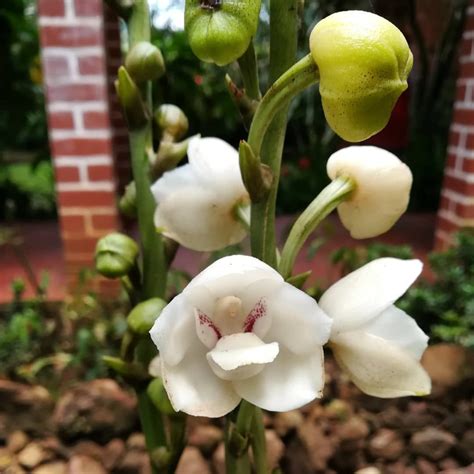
pixel 382 191
pixel 197 201
pixel 377 344
pixel 238 330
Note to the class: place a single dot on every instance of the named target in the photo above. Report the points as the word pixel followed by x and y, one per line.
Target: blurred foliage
pixel 446 307
pixel 56 344
pixel 25 190
pixel 443 307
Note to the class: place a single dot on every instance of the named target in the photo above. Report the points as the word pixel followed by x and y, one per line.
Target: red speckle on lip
pixel 205 320
pixel 258 311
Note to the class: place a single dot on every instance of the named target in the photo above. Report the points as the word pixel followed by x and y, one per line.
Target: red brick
pixel 463 116
pixel 454 138
pixel 466 47
pixel 91 65
pixel 451 160
pixel 459 185
pixel 73 224
pixel 107 222
pixel 468 166
pixel 67 174
pixel 100 173
pixel 51 8
pixel 96 120
pixel 76 92
pixel 81 146
pixel 444 203
pixel 470 140
pixel 466 69
pixel 88 8
pixel 56 66
pixel 86 199
pixel 446 225
pixel 72 36
pixel 61 120
pixel 81 245
pixel 466 211
pixel 460 93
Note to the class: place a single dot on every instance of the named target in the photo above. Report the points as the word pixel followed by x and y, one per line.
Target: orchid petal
pixel 193 387
pixel 198 219
pixel 378 367
pixel 395 326
pixel 365 293
pixel 287 383
pixel 240 356
pixel 297 321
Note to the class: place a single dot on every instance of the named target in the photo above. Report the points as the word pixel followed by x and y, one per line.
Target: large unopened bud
pixel 115 255
pixel 145 62
pixel 382 189
pixel 364 61
pixel 172 121
pixel 220 31
pixel 142 317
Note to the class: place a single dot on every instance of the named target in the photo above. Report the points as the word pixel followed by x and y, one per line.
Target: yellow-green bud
pixel 128 201
pixel 144 62
pixel 364 61
pixel 140 320
pixel 131 101
pixel 220 31
pixel 115 255
pixel 172 121
pixel 158 396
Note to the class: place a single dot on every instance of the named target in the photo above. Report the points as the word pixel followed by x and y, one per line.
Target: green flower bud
pixel 220 31
pixel 115 255
pixel 131 101
pixel 158 396
pixel 364 61
pixel 172 121
pixel 128 201
pixel 144 62
pixel 141 318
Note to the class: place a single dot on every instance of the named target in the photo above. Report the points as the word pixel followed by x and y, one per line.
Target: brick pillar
pixel 80 45
pixel 457 196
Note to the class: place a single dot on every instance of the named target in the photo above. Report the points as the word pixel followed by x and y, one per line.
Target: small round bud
pixel 220 31
pixel 364 61
pixel 145 62
pixel 140 320
pixel 171 120
pixel 382 189
pixel 156 391
pixel 128 201
pixel 115 255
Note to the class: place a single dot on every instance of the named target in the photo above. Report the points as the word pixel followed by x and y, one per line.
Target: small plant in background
pixel 445 307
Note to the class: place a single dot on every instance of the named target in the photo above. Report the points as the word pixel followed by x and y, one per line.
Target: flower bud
pixel 172 121
pixel 364 61
pixel 115 255
pixel 131 101
pixel 158 396
pixel 140 320
pixel 128 201
pixel 144 62
pixel 382 189
pixel 220 31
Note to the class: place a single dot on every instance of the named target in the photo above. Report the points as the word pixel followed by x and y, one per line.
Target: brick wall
pixel 80 55
pixel 457 196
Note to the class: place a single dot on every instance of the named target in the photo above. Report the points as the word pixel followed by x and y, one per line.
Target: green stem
pixel 249 71
pixel 177 438
pixel 234 463
pixel 267 140
pixel 153 257
pixel 326 201
pixel 258 443
pixel 244 418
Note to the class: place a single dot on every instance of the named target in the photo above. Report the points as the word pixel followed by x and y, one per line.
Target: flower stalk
pixel 329 198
